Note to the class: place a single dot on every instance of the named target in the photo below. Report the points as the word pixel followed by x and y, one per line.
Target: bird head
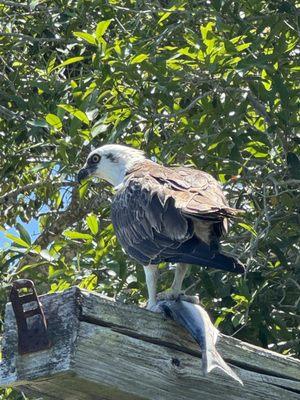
pixel 110 162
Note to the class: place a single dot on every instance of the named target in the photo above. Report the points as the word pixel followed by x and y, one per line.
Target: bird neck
pixel 117 174
pixel 114 176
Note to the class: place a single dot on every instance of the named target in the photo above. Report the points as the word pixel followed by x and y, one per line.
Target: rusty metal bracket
pixel 30 317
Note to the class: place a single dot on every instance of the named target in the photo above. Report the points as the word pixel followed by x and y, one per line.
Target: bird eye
pixel 95 158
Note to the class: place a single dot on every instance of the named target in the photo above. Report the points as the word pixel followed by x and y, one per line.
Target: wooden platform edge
pixel 91 333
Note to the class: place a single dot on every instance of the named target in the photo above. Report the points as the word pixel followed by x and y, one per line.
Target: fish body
pixel 196 321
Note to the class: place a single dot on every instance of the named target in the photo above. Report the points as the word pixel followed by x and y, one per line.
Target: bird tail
pixel 212 359
pixel 202 256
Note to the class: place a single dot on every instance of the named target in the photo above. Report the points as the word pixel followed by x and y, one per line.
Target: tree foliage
pixel 210 84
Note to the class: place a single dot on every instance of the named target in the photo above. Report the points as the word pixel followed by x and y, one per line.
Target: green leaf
pixel 206 29
pixel 17 240
pixel 85 36
pixel 138 59
pixel 98 128
pixel 92 222
pixel 54 121
pixel 229 47
pixel 163 17
pixel 38 123
pixel 243 46
pixel 30 267
pixel 83 189
pixel 166 14
pixel 102 28
pixel 46 255
pixel 237 319
pixel 279 253
pixel 265 80
pixel 68 62
pixel 51 63
pixel 257 149
pixel 248 228
pixel 24 235
pixel 77 113
pixel 239 299
pixel 218 321
pixel 77 235
pixel 293 162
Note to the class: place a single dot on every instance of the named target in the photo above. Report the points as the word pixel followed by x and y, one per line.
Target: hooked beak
pixel 83 174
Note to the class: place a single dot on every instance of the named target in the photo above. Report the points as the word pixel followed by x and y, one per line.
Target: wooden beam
pixel 103 350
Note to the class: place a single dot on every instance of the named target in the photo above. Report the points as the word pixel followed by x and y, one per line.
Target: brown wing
pixel 195 192
pixel 204 195
pixel 146 221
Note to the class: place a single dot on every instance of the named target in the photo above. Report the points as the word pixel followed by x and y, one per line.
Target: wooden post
pixel 103 350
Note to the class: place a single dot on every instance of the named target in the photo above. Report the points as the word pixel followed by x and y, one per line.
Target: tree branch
pixel 15 4
pixel 35 39
pixel 31 186
pixel 76 210
pixel 184 110
pixel 10 114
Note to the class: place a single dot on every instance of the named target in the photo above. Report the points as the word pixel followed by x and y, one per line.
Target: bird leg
pixel 151 274
pixel 175 291
pixel 179 275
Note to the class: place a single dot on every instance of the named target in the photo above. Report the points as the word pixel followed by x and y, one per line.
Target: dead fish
pixel 196 321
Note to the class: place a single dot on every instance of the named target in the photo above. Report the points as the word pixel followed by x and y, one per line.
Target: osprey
pixel 163 214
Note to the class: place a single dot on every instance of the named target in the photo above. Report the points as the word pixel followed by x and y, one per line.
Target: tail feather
pixel 195 251
pixel 212 360
pixel 216 260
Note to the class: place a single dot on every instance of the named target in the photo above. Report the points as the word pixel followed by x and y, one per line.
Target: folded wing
pixel 146 220
pixel 172 214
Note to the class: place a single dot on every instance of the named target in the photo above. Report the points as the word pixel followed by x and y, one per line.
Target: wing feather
pixel 196 193
pixel 158 210
pixel 146 220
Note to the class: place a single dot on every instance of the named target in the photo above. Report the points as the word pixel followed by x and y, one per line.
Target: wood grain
pixel 103 350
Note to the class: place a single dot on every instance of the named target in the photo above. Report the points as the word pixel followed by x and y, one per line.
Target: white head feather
pixel 115 160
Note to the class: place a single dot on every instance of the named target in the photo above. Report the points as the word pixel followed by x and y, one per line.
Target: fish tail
pixel 212 359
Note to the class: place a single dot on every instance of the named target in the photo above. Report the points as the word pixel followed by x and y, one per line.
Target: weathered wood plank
pixel 103 350
pixel 147 369
pixel 150 326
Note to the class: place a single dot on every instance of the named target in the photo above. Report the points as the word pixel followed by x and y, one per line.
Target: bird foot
pixel 172 295
pixel 154 308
